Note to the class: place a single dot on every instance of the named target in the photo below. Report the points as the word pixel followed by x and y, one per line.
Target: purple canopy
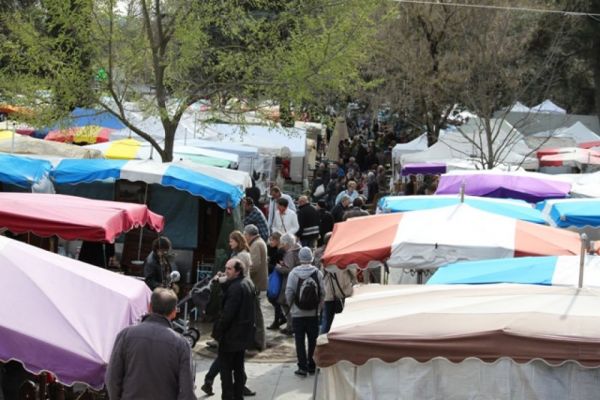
pixel 424 169
pixel 61 315
pixel 531 187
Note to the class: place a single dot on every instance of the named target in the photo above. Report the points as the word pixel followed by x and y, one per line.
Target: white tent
pixel 578 132
pixel 501 342
pixel 548 107
pixel 519 107
pixel 582 185
pixel 510 146
pixel 414 146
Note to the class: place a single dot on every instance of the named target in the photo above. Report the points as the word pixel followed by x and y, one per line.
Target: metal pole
pixel 12 142
pixel 584 246
pixel 462 192
pixel 142 227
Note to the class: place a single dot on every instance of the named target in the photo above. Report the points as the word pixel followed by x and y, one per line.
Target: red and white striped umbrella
pixel 431 238
pixel 568 156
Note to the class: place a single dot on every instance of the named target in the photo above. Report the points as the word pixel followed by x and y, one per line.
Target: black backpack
pixel 308 292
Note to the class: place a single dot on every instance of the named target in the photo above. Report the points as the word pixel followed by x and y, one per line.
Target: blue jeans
pixel 306 328
pixel 327 316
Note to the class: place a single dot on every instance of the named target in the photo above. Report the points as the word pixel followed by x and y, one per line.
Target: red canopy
pixel 71 217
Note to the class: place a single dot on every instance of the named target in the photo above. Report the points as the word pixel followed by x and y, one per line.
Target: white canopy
pixel 510 147
pixel 578 132
pixel 549 107
pixel 519 107
pixel 582 185
pixel 414 146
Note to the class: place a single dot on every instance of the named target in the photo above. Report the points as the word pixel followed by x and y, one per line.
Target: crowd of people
pixel 278 257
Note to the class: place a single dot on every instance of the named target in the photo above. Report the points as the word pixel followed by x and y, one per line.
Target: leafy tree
pixel 165 55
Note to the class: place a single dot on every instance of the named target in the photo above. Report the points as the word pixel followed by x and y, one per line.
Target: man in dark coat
pixel 325 220
pixel 151 361
pixel 308 219
pixel 340 208
pixel 235 329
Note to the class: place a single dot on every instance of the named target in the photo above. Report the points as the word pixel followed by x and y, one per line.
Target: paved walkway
pixel 270 381
pixel 270 373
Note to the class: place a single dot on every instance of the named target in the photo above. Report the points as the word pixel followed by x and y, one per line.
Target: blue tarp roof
pixel 22 171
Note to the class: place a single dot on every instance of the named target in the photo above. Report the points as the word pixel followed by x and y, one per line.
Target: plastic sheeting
pixel 471 379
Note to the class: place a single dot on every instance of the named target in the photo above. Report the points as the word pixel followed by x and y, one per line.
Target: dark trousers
pixel 306 328
pixel 233 378
pixel 327 316
pixel 278 312
pixel 213 371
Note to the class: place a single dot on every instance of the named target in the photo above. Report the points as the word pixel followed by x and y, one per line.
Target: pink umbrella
pixel 71 217
pixel 61 315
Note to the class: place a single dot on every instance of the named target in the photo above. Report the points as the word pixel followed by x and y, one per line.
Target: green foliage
pixel 165 55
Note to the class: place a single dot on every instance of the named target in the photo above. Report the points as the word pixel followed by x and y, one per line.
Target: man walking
pixel 235 329
pixel 151 361
pixel 305 294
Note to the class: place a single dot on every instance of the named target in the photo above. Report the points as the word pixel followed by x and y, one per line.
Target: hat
pixel 305 255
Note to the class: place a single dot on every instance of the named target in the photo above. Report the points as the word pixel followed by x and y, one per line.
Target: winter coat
pixel 150 361
pixel 236 326
pixel 289 262
pixel 346 280
pixel 302 272
pixel 308 220
pixel 259 269
pixel 325 222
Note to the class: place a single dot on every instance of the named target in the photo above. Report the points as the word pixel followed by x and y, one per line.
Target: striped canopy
pixel 200 182
pixel 431 238
pixel 563 270
pixel 132 149
pixel 512 208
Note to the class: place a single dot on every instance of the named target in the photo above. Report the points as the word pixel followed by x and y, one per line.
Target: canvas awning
pixel 71 217
pixel 488 322
pixel 431 238
pixel 219 185
pixel 65 314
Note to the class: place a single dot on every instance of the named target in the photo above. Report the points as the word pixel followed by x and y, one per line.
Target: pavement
pixel 270 372
pixel 270 381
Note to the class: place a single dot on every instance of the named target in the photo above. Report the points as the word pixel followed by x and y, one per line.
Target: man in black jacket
pixel 325 220
pixel 235 329
pixel 151 361
pixel 340 208
pixel 308 220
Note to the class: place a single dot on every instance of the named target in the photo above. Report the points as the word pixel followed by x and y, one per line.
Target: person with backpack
pixel 305 294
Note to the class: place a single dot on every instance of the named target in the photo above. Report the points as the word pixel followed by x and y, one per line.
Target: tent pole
pixel 12 142
pixel 142 227
pixel 314 396
pixel 584 239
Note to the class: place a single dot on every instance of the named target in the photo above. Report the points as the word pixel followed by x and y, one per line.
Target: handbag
pixel 274 285
pixel 319 191
pixel 338 304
